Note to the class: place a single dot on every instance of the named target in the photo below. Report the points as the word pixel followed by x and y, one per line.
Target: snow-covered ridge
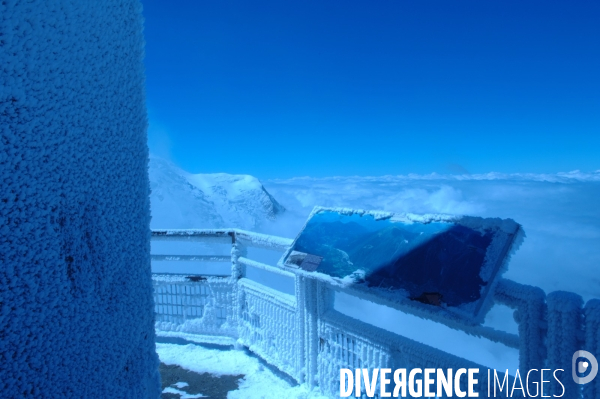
pixel 560 177
pixel 183 200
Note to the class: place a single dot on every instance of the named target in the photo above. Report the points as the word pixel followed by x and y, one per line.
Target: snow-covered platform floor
pixel 258 379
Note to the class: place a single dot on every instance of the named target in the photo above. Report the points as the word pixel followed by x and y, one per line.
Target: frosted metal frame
pixel 506 238
pixel 306 338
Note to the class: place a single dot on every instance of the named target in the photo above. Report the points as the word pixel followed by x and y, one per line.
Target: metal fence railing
pixel 305 337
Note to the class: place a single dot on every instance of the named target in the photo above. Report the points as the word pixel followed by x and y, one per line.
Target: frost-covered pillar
pixel 76 307
pixel 306 289
pixel 530 314
pixel 564 339
pixel 238 249
pixel 299 289
pixel 592 343
pixel 314 299
pixel 325 301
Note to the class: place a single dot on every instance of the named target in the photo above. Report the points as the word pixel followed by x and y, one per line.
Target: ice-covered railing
pixel 301 333
pixel 206 307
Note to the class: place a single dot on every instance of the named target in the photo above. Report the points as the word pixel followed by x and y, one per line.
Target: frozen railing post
pixel 529 304
pixel 314 299
pixel 565 337
pixel 592 342
pixel 306 289
pixel 238 249
pixel 238 270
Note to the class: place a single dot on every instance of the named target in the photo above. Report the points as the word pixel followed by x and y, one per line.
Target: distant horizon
pixel 321 88
pixel 582 176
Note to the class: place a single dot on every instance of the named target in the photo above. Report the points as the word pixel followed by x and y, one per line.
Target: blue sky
pixel 279 89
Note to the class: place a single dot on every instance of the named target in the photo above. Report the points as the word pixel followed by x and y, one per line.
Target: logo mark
pixel 581 366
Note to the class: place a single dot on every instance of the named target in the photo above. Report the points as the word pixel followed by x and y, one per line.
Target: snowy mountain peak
pixel 183 200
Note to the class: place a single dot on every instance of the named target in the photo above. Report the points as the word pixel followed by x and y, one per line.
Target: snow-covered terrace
pixel 299 324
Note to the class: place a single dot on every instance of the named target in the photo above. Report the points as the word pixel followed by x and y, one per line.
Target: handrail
pixel 532 311
pixel 264 266
pixel 279 243
pixel 247 237
pixel 191 258
pixel 259 240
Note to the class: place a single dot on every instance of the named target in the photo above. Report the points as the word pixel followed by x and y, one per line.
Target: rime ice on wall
pixel 76 313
